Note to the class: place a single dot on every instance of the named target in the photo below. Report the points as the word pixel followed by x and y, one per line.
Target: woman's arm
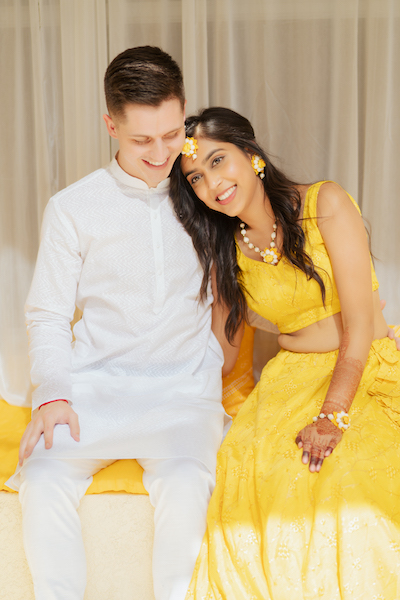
pixel 343 231
pixel 220 314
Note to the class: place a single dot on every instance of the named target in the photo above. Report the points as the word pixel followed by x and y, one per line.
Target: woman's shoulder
pixel 323 198
pixel 332 198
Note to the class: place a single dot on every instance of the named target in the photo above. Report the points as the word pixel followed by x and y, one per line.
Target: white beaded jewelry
pixel 269 255
pixel 340 420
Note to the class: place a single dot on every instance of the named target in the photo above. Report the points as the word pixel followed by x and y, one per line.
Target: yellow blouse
pixel 282 294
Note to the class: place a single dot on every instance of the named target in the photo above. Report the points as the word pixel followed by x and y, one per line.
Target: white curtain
pixel 319 79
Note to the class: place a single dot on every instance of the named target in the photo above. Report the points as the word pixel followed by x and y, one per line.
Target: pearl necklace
pixel 269 255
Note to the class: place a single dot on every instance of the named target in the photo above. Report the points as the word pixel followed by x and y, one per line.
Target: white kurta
pixel 144 371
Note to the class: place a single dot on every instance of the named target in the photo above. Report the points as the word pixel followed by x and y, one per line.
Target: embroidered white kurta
pixel 144 370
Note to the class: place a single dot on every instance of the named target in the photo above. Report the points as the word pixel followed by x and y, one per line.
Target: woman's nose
pixel 214 182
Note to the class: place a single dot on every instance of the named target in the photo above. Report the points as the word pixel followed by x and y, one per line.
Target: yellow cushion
pixel 240 382
pixel 123 475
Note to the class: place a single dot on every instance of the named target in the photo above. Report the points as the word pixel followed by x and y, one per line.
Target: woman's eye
pixel 217 160
pixel 194 179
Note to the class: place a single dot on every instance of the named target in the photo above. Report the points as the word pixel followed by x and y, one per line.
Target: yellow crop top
pixel 282 294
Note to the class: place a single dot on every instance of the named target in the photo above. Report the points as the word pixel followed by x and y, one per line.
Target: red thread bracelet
pixel 50 401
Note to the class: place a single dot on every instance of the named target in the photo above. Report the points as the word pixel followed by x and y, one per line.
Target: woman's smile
pixel 227 196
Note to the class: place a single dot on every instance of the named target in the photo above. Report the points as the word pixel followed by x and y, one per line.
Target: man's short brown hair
pixel 143 75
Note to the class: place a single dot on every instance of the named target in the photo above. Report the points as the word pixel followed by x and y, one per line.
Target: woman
pixel 307 503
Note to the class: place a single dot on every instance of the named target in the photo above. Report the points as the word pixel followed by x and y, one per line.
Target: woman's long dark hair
pixel 213 233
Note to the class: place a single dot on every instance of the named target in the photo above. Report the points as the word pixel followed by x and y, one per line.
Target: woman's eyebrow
pixel 209 155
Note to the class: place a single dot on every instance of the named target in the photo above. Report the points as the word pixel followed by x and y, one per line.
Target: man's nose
pixel 159 151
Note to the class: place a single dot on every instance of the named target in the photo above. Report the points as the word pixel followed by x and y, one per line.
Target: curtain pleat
pixel 320 81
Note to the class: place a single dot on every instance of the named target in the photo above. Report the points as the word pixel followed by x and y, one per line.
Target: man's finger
pixel 34 437
pixel 74 426
pixel 48 434
pixel 22 445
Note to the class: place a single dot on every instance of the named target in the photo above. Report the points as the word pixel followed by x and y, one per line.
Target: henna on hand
pixel 318 441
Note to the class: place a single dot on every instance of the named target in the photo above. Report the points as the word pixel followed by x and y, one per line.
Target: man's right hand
pixel 44 422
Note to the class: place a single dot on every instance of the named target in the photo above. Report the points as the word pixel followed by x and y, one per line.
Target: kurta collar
pixel 133 182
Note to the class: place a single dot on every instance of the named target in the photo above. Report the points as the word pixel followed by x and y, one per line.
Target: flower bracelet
pixel 339 419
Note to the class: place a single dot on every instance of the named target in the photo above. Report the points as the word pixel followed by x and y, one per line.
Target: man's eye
pixel 171 136
pixel 140 142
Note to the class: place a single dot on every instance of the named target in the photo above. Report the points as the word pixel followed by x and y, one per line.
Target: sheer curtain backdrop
pixel 319 79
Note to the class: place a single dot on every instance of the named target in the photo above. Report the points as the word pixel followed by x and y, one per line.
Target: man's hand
pixel 44 422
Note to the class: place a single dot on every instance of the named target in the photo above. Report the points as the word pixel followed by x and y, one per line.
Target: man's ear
pixel 111 128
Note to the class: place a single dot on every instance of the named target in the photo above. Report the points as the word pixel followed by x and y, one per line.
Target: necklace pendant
pixel 269 255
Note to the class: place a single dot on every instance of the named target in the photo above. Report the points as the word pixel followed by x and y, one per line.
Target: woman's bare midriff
pixel 325 335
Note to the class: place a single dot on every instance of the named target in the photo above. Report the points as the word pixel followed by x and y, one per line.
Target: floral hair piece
pixel 258 165
pixel 190 147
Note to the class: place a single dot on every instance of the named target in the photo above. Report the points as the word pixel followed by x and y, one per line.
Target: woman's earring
pixel 258 165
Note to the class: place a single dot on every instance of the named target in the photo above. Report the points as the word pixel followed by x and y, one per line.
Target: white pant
pixel 50 492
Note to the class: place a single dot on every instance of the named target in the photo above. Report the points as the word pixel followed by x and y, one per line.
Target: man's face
pixel 150 138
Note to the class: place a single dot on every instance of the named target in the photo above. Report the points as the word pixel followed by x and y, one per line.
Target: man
pixel 143 377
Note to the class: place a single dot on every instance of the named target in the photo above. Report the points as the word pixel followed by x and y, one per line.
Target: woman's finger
pixel 313 463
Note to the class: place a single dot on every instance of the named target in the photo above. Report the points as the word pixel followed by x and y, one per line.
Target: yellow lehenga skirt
pixel 275 530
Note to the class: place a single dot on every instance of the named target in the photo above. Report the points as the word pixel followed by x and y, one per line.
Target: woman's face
pixel 222 177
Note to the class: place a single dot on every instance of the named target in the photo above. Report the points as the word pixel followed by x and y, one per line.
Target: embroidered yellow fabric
pixel 274 530
pixel 299 301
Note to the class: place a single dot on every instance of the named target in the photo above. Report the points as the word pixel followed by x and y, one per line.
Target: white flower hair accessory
pixel 190 147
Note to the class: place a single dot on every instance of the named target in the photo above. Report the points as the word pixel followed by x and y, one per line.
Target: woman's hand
pixel 390 332
pixel 318 441
pixel 44 421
